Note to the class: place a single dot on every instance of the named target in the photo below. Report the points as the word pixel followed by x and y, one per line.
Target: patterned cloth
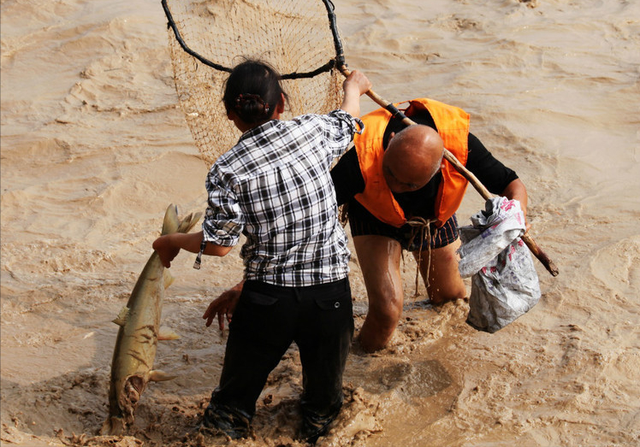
pixel 275 188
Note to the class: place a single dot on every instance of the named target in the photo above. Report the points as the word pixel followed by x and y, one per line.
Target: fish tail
pixel 172 224
pixel 189 222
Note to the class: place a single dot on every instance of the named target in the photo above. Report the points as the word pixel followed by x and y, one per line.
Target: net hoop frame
pixel 338 62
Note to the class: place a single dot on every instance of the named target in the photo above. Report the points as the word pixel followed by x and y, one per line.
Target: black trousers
pixel 267 319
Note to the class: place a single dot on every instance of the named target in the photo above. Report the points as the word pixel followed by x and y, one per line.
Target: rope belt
pixel 421 228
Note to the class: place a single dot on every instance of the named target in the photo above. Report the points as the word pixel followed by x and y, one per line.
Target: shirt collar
pixel 258 129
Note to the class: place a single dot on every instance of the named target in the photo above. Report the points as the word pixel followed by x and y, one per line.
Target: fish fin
pixel 167 334
pixel 155 375
pixel 121 319
pixel 168 278
pixel 170 223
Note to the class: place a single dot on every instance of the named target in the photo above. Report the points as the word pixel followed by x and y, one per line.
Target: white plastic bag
pixel 504 283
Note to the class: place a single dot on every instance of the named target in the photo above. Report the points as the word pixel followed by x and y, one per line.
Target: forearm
pixel 192 242
pixel 516 190
pixel 354 86
pixel 351 102
pixel 169 245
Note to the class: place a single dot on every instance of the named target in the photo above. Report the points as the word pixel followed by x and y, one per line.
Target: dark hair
pixel 253 91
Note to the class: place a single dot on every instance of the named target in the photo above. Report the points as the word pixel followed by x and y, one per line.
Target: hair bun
pixel 247 99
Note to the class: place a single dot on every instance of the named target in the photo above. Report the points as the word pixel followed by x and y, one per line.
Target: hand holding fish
pixel 166 249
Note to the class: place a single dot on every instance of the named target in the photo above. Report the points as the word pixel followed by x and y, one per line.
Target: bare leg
pixel 445 283
pixel 379 259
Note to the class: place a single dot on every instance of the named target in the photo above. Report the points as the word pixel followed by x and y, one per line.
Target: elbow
pixel 217 250
pixel 515 190
pixel 225 250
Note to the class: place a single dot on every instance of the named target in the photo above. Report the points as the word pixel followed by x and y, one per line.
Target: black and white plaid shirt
pixel 274 186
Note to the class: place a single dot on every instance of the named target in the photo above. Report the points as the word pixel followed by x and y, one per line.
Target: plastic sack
pixel 504 283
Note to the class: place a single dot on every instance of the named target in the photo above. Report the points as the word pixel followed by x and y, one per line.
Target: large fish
pixel 137 341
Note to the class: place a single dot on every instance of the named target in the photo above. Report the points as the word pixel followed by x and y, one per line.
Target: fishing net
pixel 207 38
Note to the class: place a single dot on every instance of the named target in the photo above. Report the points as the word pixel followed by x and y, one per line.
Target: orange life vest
pixel 453 127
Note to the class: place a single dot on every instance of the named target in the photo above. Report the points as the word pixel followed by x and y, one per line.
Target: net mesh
pixel 293 36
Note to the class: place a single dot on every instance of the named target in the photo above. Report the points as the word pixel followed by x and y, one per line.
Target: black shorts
pixel 363 223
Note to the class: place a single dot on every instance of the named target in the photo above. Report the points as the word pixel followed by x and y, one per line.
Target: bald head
pixel 414 156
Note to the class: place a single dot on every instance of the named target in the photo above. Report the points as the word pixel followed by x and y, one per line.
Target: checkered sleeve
pixel 223 221
pixel 339 129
